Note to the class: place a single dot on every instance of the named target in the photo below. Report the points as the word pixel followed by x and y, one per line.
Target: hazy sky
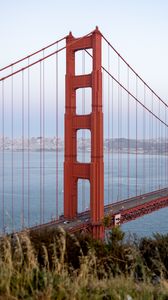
pixel 138 29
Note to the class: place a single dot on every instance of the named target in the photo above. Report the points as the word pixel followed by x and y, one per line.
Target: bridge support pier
pixel 73 170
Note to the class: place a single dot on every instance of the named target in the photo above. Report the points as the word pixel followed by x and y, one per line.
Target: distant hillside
pixel 152 146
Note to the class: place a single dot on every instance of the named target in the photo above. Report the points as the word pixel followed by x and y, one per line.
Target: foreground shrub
pixel 52 264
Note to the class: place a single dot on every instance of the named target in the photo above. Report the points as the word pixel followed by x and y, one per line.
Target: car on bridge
pixel 117 219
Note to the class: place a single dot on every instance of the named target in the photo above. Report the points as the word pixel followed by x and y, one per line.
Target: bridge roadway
pixel 128 209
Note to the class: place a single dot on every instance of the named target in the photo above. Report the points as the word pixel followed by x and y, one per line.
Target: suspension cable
pixel 133 70
pixel 32 54
pixel 45 57
pixel 127 91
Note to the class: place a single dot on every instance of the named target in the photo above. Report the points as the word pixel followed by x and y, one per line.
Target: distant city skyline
pixel 114 145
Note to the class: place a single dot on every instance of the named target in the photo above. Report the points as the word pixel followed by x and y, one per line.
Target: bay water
pixel 30 180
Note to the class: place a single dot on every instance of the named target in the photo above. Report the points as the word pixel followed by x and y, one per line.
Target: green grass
pixel 51 264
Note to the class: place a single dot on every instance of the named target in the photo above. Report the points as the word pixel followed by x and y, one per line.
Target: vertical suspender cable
pixel 43 204
pixel 118 198
pixel 12 188
pixel 136 129
pixel 112 138
pixel 28 145
pixel 160 153
pixel 121 147
pixel 161 156
pixel 41 146
pixel 165 161
pixel 23 150
pixel 149 161
pixel 56 129
pixel 128 129
pixel 144 143
pixel 108 118
pixel 155 147
pixel 149 149
pixel 166 150
pixel 159 148
pixel 156 155
pixel 152 151
pixel 3 166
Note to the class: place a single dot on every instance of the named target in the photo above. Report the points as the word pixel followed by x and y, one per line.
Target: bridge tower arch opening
pixel 83 204
pixel 74 170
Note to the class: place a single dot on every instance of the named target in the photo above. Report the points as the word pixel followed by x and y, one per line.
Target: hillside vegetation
pixel 52 264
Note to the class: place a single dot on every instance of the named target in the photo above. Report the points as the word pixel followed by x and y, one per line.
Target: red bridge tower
pixel 73 170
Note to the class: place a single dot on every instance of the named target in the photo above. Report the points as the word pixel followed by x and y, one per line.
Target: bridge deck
pixel 129 209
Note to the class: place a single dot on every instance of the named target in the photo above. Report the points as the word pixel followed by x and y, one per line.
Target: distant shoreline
pixel 111 145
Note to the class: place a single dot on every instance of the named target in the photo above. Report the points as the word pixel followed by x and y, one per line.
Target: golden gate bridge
pixel 95 106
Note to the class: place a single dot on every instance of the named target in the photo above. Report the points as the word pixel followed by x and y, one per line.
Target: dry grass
pixel 37 266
